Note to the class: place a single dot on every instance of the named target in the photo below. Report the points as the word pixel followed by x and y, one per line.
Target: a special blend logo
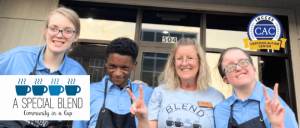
pixel 45 97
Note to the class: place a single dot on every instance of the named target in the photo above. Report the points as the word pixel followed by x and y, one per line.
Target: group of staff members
pixel 183 98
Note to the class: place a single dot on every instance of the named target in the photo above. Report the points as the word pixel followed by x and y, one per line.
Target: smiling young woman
pixel 61 30
pixel 250 105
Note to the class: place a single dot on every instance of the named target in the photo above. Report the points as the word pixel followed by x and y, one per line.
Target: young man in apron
pixel 110 102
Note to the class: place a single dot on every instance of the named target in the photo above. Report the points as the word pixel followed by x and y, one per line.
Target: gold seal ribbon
pixel 264 44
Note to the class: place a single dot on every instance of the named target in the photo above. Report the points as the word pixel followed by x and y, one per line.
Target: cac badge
pixel 264 32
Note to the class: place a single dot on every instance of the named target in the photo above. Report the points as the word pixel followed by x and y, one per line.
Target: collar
pixel 111 86
pixel 41 65
pixel 256 94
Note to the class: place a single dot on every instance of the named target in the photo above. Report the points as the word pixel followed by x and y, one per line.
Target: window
pixel 152 65
pixel 79 60
pixel 91 57
pixel 157 35
pixel 96 70
pixel 100 22
pixel 157 24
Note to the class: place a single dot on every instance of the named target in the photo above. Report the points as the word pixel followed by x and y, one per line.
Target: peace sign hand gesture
pixel 138 108
pixel 273 109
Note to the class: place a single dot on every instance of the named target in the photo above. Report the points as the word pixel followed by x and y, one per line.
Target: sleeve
pixel 80 124
pixel 221 115
pixel 154 104
pixel 148 94
pixel 4 63
pixel 289 118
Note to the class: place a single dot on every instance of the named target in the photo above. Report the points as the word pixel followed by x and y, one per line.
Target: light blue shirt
pixel 117 100
pixel 21 61
pixel 246 110
pixel 180 108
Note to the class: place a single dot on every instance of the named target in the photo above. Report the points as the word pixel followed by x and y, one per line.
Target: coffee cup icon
pixel 72 90
pixel 55 90
pixel 22 90
pixel 39 90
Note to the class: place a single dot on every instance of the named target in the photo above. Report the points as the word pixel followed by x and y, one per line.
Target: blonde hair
pixel 171 78
pixel 68 13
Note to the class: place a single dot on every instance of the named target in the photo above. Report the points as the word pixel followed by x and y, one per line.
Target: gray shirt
pixel 180 108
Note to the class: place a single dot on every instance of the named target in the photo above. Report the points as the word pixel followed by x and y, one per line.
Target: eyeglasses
pixel 241 63
pixel 53 31
pixel 189 60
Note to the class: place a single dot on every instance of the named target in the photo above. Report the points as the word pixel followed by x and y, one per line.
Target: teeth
pixel 58 42
pixel 186 69
pixel 241 75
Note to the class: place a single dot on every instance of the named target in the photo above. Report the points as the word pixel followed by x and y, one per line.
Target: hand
pixel 138 108
pixel 139 82
pixel 273 109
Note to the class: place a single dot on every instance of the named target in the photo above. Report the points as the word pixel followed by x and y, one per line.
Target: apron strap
pixel 260 114
pixel 37 60
pixel 105 92
pixel 231 111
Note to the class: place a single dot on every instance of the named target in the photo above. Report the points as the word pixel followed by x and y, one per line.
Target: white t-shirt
pixel 180 108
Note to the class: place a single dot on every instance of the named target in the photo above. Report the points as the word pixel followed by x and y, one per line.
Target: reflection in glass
pixel 148 36
pixel 152 65
pixel 92 57
pixel 147 77
pixel 148 64
pixel 106 29
pixel 157 24
pixel 273 70
pixel 160 65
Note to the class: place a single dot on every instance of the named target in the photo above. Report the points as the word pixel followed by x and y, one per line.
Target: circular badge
pixel 264 27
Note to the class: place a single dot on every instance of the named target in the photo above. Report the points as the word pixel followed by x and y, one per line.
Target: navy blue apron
pixel 256 122
pixel 109 119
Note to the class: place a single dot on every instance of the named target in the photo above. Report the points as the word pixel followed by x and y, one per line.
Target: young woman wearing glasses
pixel 62 28
pixel 250 105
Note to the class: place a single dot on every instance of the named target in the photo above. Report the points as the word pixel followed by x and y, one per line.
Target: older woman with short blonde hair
pixel 184 97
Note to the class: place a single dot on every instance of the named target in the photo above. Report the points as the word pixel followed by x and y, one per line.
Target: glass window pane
pixel 161 55
pixel 156 79
pixel 226 38
pixel 172 24
pixel 148 64
pixel 89 54
pixel 160 65
pixel 147 77
pixel 102 63
pixel 97 63
pixel 104 23
pixel 232 30
pixel 159 36
pixel 100 74
pixel 273 70
pixel 92 62
pixel 190 36
pixel 95 74
pixel 91 74
pixel 149 54
pixel 148 36
pixel 178 35
pixel 106 29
